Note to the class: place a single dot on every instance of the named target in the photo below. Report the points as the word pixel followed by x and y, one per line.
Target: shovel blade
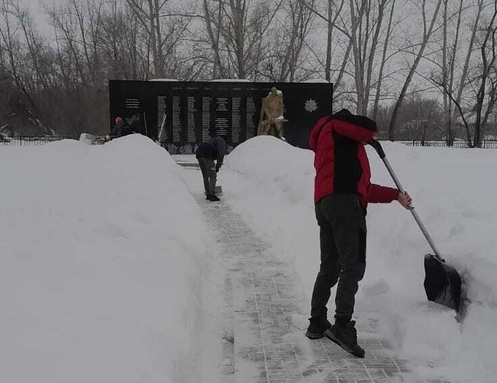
pixel 442 283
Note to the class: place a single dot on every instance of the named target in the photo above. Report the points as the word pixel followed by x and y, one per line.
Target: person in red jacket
pixel 342 192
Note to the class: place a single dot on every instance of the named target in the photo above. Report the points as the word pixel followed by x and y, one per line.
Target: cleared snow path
pixel 264 338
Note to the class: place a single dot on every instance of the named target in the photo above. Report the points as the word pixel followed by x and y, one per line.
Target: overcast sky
pixel 36 9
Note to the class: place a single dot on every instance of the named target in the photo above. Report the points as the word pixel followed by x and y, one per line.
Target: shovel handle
pixel 377 146
pixel 379 149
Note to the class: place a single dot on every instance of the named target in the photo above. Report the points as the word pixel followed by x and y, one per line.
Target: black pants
pixel 342 233
pixel 209 175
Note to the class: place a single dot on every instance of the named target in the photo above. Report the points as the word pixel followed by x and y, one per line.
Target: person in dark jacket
pixel 134 125
pixel 212 150
pixel 116 131
pixel 342 192
pixel 123 128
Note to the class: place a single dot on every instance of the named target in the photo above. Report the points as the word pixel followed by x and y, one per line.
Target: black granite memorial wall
pixel 188 111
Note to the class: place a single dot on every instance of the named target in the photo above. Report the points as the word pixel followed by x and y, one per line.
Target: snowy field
pixel 109 273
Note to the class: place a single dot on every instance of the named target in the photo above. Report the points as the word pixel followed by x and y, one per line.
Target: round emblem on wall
pixel 311 105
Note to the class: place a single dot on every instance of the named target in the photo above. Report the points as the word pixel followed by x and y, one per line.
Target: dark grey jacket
pixel 213 149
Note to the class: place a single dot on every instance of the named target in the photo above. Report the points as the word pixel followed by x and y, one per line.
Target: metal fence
pixel 28 141
pixel 98 140
pixel 486 144
pixel 38 141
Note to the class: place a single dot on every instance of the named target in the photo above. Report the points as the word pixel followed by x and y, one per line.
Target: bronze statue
pixel 271 120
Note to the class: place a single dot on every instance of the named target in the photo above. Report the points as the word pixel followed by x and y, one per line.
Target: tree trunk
pixel 398 104
pixel 327 68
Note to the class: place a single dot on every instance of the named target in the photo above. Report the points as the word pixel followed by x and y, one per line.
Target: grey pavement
pixel 264 343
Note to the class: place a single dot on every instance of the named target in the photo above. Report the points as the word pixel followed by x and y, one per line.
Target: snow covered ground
pixel 108 270
pixel 101 248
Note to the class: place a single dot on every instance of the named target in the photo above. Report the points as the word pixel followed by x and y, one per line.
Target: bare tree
pixel 485 98
pixel 333 15
pixel 238 34
pixel 329 39
pixel 65 23
pixel 213 19
pixel 383 60
pixel 12 45
pixel 428 27
pixel 165 28
pixel 448 70
pixel 36 68
pixel 350 43
pixel 288 44
pixel 476 80
pixel 121 44
pixel 89 22
pixel 367 23
pixel 361 26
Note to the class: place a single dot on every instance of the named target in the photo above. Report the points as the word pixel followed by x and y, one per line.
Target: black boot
pixel 212 197
pixel 346 338
pixel 316 328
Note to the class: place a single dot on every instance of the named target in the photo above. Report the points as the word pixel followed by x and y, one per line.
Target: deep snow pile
pixel 107 268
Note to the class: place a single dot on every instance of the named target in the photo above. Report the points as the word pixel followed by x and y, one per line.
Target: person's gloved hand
pixel 405 200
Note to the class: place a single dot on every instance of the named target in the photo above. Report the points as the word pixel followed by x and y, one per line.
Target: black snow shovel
pixel 442 282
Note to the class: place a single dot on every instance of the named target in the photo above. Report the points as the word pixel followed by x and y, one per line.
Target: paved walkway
pixel 264 341
pixel 263 345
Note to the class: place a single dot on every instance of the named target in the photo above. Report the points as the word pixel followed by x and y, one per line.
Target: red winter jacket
pixel 340 159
